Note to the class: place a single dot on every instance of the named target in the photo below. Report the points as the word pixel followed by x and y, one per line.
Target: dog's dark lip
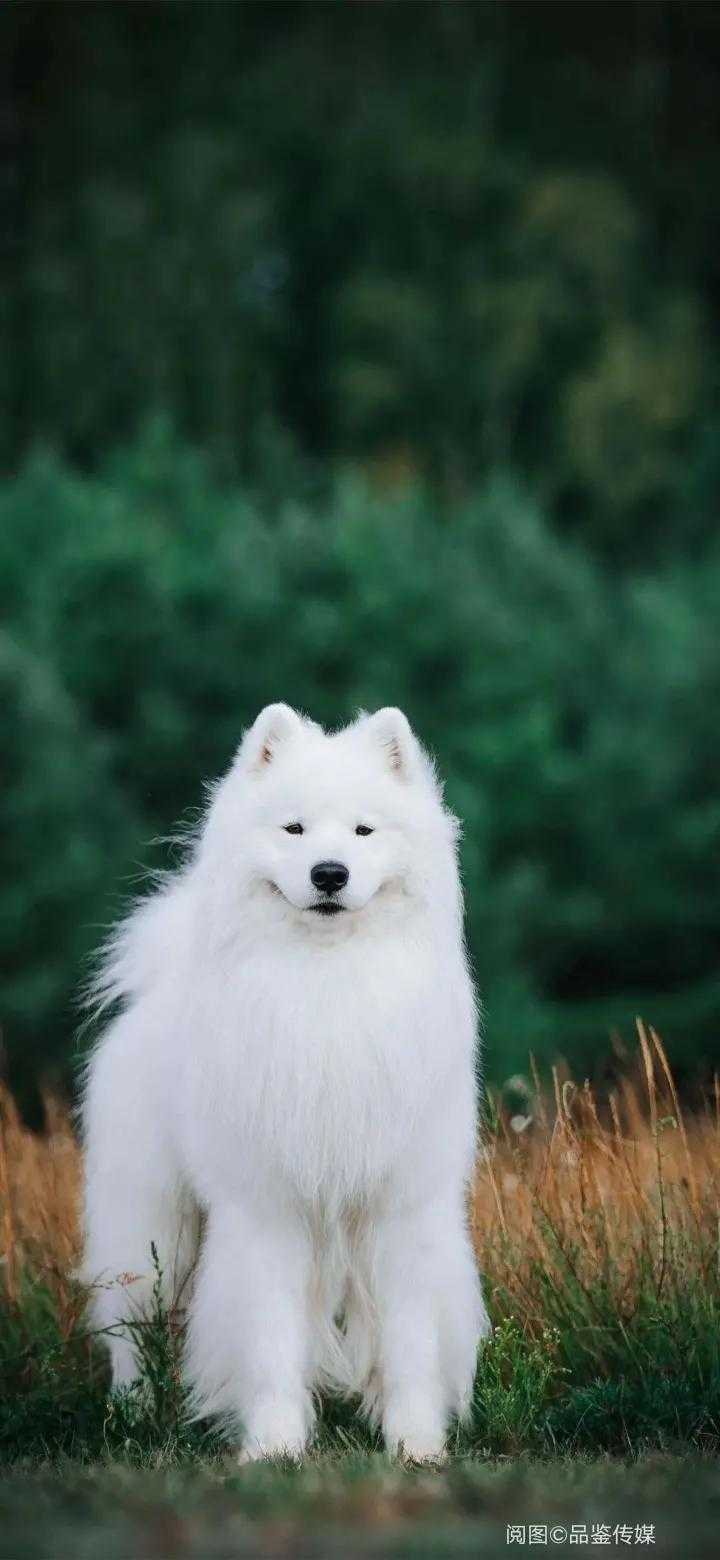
pixel 323 906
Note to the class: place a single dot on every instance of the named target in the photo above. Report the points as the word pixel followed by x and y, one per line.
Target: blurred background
pixel 357 354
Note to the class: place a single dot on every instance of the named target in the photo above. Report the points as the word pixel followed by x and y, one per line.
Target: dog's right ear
pixel 276 724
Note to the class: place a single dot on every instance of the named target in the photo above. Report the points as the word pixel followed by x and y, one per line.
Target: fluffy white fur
pixel 306 1081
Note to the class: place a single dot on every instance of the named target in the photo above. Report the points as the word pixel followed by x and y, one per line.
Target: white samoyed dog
pixel 292 1057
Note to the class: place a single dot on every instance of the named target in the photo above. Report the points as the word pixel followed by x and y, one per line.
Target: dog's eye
pixel 294 828
pixel 363 828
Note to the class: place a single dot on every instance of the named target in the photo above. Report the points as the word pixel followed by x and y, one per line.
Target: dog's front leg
pixel 248 1338
pixel 430 1316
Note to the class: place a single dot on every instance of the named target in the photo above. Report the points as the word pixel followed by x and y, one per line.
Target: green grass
pixel 650 1382
pixel 349 1504
pixel 124 1475
pixel 605 1384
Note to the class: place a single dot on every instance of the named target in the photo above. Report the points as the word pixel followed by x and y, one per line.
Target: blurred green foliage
pixel 151 612
pixel 433 288
pixel 440 237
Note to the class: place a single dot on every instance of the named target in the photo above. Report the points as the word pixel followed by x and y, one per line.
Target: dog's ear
pixel 390 730
pixel 276 724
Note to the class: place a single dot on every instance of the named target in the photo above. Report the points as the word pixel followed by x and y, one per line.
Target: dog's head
pixel 334 822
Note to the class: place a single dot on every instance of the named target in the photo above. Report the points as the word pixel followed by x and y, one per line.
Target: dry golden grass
pixel 39 1198
pixel 581 1201
pixel 567 1196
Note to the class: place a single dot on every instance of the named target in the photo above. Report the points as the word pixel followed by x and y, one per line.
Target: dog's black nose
pixel 329 876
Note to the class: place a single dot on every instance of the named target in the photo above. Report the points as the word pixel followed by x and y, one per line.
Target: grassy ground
pixel 597 1399
pixel 357 1507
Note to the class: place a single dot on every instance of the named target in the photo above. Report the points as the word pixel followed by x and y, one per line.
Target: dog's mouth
pixel 328 906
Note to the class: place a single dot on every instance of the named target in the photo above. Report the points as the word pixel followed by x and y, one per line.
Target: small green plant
pixel 151 1414
pixel 518 1376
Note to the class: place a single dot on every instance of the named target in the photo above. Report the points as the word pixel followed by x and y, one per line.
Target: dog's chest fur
pixel 317 1075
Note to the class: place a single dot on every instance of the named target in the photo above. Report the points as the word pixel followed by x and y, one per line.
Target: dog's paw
pixel 270 1451
pixel 415 1433
pixel 426 1451
pixel 275 1429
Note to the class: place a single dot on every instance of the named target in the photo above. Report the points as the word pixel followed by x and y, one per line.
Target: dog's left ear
pixel 391 731
pixel 276 724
